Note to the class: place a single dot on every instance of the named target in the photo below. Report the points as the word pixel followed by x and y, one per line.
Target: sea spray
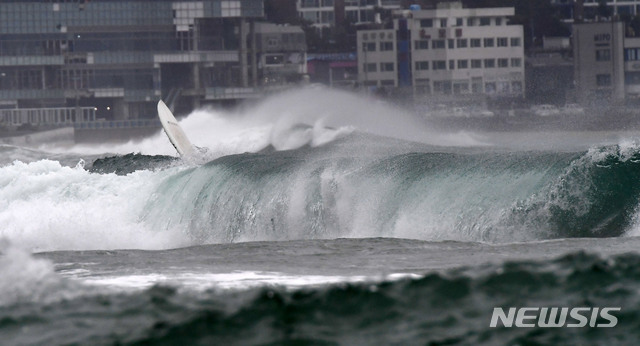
pixel 287 121
pixel 46 206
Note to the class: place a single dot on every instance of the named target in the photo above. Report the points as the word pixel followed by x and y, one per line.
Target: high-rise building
pixel 118 58
pixel 450 50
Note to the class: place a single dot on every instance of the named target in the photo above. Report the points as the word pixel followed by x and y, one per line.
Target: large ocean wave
pixel 358 186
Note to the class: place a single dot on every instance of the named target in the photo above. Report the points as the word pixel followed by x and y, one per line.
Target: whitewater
pixel 317 216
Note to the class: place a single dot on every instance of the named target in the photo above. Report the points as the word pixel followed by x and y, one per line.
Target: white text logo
pixel 555 317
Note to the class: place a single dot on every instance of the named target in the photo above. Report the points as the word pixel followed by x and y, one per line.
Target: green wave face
pixel 450 195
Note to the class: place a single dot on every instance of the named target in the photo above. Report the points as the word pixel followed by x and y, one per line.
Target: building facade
pixel 326 13
pixel 282 53
pixel 590 8
pixel 447 51
pixel 119 57
pixel 606 63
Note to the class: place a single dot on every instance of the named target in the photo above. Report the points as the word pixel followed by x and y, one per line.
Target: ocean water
pixel 321 218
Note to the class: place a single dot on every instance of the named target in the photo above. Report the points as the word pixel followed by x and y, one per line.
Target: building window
pixel 452 64
pixel 352 16
pixel 490 87
pixel 326 17
pixel 311 16
pixel 498 21
pixel 426 23
pixel 309 3
pixel 485 21
pixel 476 63
pixel 488 42
pixel 475 43
pixel 603 55
pixel 442 87
pixel 274 60
pixel 489 63
pixel 386 67
pixel 632 78
pixel 388 82
pixel 372 67
pixel 422 65
pixel 386 46
pixel 503 63
pixel 369 47
pixel 459 22
pixel 503 87
pixel 461 87
pixel 462 64
pixel 632 54
pixel 503 42
pixel 451 43
pixel 437 44
pixel 516 62
pixel 515 42
pixel 476 85
pixel 603 80
pixel 443 22
pixel 440 65
pixel 461 42
pixel 516 87
pixel 422 44
pixel 470 21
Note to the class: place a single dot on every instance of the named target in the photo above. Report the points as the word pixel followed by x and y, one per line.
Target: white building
pixel 447 51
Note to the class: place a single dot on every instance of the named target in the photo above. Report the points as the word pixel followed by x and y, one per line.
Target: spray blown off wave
pixel 308 116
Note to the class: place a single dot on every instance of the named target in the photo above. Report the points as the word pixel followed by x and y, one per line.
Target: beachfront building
pixel 589 9
pixel 282 54
pixel 606 63
pixel 66 60
pixel 327 13
pixel 449 50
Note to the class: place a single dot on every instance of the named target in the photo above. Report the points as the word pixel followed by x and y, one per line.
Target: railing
pixel 219 93
pixel 47 116
pixel 117 124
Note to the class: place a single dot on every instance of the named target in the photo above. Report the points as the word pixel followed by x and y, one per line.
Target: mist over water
pixel 312 115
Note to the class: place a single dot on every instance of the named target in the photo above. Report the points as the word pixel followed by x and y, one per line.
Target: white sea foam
pixel 237 280
pixel 45 206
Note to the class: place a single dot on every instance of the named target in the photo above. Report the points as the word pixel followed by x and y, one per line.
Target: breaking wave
pixel 358 186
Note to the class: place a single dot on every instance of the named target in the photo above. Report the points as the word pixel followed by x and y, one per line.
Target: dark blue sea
pixel 319 218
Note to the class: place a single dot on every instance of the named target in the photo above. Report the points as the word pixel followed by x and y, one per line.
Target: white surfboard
pixel 175 133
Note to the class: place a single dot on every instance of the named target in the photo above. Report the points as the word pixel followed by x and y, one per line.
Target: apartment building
pixel 450 50
pixel 114 59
